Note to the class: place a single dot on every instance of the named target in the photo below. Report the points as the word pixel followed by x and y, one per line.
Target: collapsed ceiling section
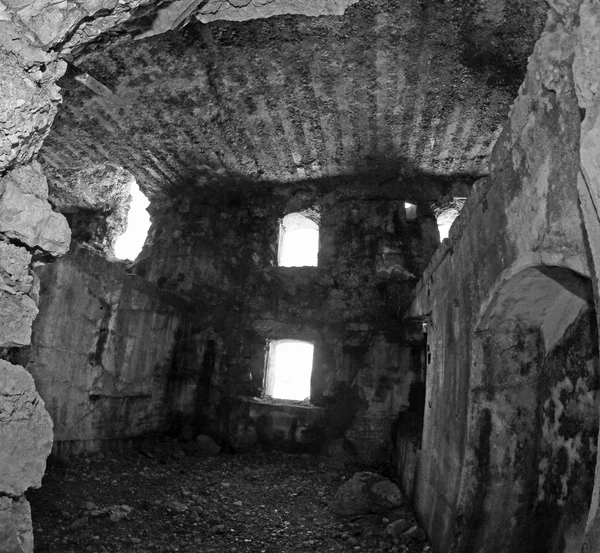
pixel 408 90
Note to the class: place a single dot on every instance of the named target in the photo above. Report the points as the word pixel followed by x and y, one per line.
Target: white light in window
pixel 131 242
pixel 298 241
pixel 289 370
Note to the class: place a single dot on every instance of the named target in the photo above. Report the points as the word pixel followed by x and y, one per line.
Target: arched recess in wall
pixel 298 241
pixel 531 450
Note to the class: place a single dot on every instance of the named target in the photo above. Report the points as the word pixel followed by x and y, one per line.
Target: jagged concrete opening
pixel 131 242
pixel 96 201
pixel 533 415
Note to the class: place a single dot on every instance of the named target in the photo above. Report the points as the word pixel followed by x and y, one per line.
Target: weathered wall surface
pixel 221 251
pixel 108 354
pixel 529 215
pixel 586 73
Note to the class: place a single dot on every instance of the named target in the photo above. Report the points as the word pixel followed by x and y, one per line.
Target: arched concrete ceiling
pixel 411 90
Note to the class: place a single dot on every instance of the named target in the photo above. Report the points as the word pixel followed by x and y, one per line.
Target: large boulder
pixel 25 432
pixel 366 492
pixel 25 214
pixel 30 220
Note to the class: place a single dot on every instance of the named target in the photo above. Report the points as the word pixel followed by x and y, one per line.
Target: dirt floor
pixel 160 499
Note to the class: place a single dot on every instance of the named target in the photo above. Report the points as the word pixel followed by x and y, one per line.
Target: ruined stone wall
pixel 108 354
pixel 534 215
pixel 29 230
pixel 221 251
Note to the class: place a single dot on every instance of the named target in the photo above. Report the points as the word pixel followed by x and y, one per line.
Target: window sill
pixel 273 402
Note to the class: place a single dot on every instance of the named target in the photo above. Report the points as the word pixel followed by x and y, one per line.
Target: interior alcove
pixel 534 416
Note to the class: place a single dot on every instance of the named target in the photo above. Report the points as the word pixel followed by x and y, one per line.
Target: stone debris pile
pixel 159 498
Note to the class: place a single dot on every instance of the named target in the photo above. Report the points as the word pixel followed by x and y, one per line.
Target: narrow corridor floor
pixel 158 499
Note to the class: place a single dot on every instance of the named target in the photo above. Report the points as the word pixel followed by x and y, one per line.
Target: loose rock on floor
pixel 155 499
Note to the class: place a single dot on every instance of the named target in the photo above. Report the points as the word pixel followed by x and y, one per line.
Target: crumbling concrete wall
pixel 535 213
pixel 108 354
pixel 221 251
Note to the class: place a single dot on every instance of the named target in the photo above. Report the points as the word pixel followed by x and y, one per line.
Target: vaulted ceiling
pixel 401 90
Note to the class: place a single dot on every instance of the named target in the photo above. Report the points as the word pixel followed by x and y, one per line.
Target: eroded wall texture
pixel 510 431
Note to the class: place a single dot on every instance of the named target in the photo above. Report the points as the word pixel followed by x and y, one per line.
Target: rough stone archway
pixel 533 420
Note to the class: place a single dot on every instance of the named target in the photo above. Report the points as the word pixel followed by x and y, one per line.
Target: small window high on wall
pixel 289 367
pixel 298 241
pixel 130 243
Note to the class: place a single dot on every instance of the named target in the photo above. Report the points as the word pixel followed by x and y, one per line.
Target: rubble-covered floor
pixel 160 499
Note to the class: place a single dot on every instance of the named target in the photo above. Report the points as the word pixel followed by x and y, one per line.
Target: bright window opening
pixel 298 241
pixel 289 366
pixel 411 211
pixel 130 243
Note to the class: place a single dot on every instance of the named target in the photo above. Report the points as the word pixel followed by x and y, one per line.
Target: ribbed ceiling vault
pixel 391 90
